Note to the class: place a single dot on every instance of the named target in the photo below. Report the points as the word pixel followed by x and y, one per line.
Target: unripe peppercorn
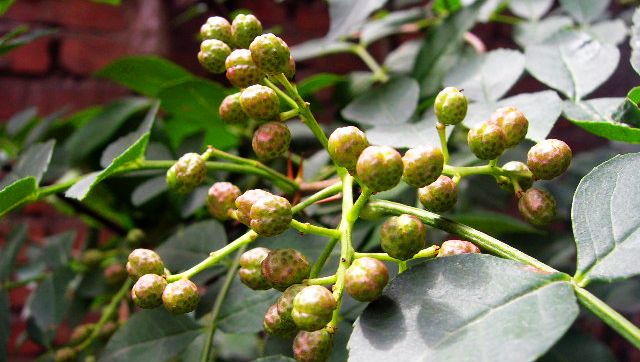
pixel 180 297
pixel 260 103
pixel 379 168
pixel 115 274
pixel 345 146
pixel 450 106
pixel 187 173
pixel 216 27
pixel 251 268
pixel 92 258
pixel 313 307
pixel 403 236
pixel 312 346
pixel 244 203
pixel 275 325
pixel 285 302
pixel 231 111
pixel 549 159
pixel 366 278
pixel 439 196
pixel 525 182
pixel 487 141
pixel 537 206
pixel 212 55
pixel 290 71
pixel 270 53
pixel 271 140
pixel 80 333
pixel 244 28
pixel 285 267
pixel 221 199
pixel 456 247
pixel 65 354
pixel 270 215
pixel 422 166
pixel 144 261
pixel 241 71
pixel 513 123
pixel 147 292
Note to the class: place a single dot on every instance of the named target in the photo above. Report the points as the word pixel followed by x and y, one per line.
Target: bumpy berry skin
pixel 345 146
pixel 456 247
pixel 285 267
pixel 312 346
pixel 241 71
pixel 271 140
pixel 244 203
pixel 379 168
pixel 365 279
pixel 537 206
pixel 504 182
pixel 115 274
pixel 422 166
pixel 549 159
pixel 290 71
pixel 251 268
pixel 221 199
pixel 513 123
pixel 260 103
pixel 275 325
pixel 80 333
pixel 270 53
pixel 216 27
pixel 244 29
pixel 439 196
pixel 313 308
pixel 180 297
pixel 92 258
pixel 403 236
pixel 144 261
pixel 285 302
pixel 147 292
pixel 65 354
pixel 450 106
pixel 270 216
pixel 486 141
pixel 187 173
pixel 231 111
pixel 212 55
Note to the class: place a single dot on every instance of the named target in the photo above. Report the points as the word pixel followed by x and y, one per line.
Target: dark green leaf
pixel 585 11
pixel 41 128
pixel 537 32
pixel 402 59
pixel 5 5
pixel 578 347
pixel 56 252
pixel 391 103
pixel 277 358
pixel 20 120
pixel 317 82
pixel 5 323
pixel 10 250
pixel 629 112
pixel 319 47
pixel 530 9
pixel 634 42
pixel 148 190
pixel 33 162
pixel 494 224
pixel 611 31
pixel 243 308
pixel 390 24
pixel 443 309
pixel 348 16
pixel 408 135
pixel 446 6
pixel 17 37
pixel 18 192
pixel 109 2
pixel 596 116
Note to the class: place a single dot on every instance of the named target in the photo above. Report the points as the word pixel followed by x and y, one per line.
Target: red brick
pixel 85 54
pixel 33 58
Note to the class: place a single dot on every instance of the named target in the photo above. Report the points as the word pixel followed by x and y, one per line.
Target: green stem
pixel 285 116
pixel 321 281
pixel 442 134
pixel 402 267
pixel 322 259
pixel 56 188
pixel 307 228
pixel 320 195
pixel 430 252
pixel 378 72
pixel 282 94
pixel 488 169
pixel 505 19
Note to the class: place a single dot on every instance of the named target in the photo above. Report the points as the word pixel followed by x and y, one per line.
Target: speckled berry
pixel 270 53
pixel 379 168
pixel 525 182
pixel 312 346
pixel 285 302
pixel 91 258
pixel 241 71
pixel 80 333
pixel 313 307
pixel 147 292
pixel 260 103
pixel 275 325
pixel 549 159
pixel 221 199
pixel 440 195
pixel 290 71
pixel 486 141
pixel 345 146
pixel 403 236
pixel 456 247
pixel 244 203
pixel 513 123
pixel 450 106
pixel 244 28
pixel 180 297
pixel 285 267
pixel 271 140
pixel 212 55
pixel 366 278
pixel 216 27
pixel 231 111
pixel 65 354
pixel 144 261
pixel 537 206
pixel 270 215
pixel 251 268
pixel 187 173
pixel 422 166
pixel 115 274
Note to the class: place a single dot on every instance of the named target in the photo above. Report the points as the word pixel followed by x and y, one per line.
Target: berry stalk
pixel 307 228
pixel 282 94
pixel 442 134
pixel 331 279
pixel 322 259
pixel 428 253
pixel 487 169
pixel 378 72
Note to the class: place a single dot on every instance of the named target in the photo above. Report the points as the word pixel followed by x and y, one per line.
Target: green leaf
pixel 243 308
pixel 530 9
pixel 537 32
pixel 596 116
pixel 629 112
pixel 634 42
pixel 147 75
pixel 611 31
pixel 276 358
pixel 10 250
pixel 607 234
pixel 17 193
pixel 347 16
pixel 56 252
pixel 21 120
pixel 42 127
pixel 109 2
pixel 408 135
pixel 5 5
pixel 390 24
pixel 151 335
pixel 317 82
pixel 585 11
pixel 318 47
pixel 494 224
pixel 33 162
pixel 17 37
pixel 402 59
pixel 148 190
pixel 443 309
pixel 578 347
pixel 446 6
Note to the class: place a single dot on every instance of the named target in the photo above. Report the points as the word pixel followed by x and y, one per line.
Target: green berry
pixel 216 27
pixel 244 203
pixel 525 182
pixel 92 258
pixel 312 346
pixel 251 268
pixel 290 71
pixel 181 297
pixel 345 146
pixel 221 199
pixel 379 168
pixel 285 267
pixel 422 166
pixel 135 237
pixel 212 55
pixel 313 308
pixel 144 261
pixel 285 302
pixel 440 195
pixel 403 236
pixel 187 173
pixel 270 215
pixel 365 279
pixel 487 141
pixel 271 140
pixel 450 106
pixel 275 325
pixel 456 247
pixel 537 206
pixel 260 103
pixel 244 29
pixel 80 333
pixel 549 159
pixel 270 53
pixel 231 111
pixel 65 354
pixel 148 290
pixel 115 274
pixel 241 71
pixel 513 123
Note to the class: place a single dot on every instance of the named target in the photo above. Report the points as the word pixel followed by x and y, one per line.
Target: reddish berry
pixel 537 206
pixel 241 71
pixel 275 325
pixel 525 182
pixel 312 346
pixel 80 333
pixel 231 111
pixel 285 267
pixel 486 141
pixel 290 71
pixel 345 146
pixel 513 123
pixel 180 297
pixel 221 199
pixel 260 103
pixel 285 302
pixel 422 166
pixel 187 173
pixel 65 354
pixel 439 196
pixel 244 203
pixel 270 215
pixel 455 247
pixel 244 29
pixel 270 53
pixel 216 27
pixel 313 308
pixel 271 140
pixel 403 236
pixel 212 55
pixel 379 168
pixel 115 274
pixel 450 106
pixel 251 268
pixel 144 261
pixel 147 292
pixel 549 159
pixel 365 279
